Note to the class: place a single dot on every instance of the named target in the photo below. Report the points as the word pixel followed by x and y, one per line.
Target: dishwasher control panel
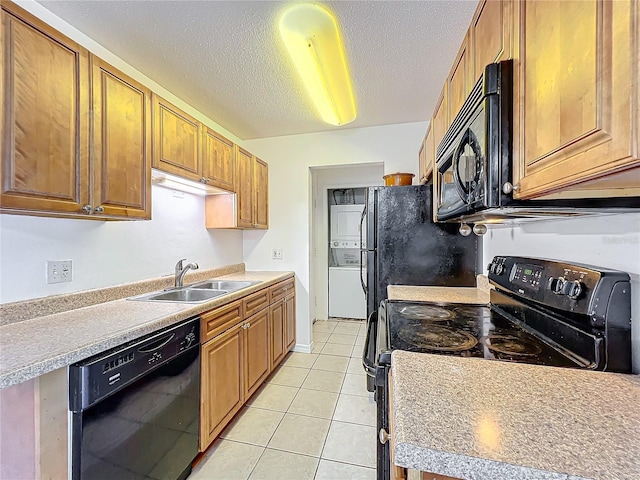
pixel 112 370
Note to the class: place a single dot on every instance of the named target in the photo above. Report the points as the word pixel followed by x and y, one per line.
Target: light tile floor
pixel 312 420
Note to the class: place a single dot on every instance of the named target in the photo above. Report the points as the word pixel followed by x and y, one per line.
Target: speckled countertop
pixel 33 347
pixel 475 295
pixel 486 420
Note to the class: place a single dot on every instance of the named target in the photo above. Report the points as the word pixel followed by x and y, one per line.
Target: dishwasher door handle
pixel 156 344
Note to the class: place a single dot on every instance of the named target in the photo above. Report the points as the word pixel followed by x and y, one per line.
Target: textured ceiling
pixel 225 57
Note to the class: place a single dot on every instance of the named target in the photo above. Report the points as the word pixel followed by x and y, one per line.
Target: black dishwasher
pixel 134 408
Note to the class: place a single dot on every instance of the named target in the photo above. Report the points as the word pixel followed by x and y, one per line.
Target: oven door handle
pixel 370 341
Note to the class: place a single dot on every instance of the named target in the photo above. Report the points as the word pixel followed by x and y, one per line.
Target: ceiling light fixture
pixel 312 37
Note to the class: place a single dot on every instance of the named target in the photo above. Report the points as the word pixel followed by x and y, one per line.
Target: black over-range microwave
pixel 474 162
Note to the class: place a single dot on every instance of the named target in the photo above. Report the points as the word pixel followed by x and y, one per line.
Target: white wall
pixel 110 253
pixel 290 208
pixel 323 179
pixel 606 241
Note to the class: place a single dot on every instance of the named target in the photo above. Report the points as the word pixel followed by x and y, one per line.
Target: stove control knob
pixel 574 289
pixel 499 269
pixel 556 285
pixel 383 436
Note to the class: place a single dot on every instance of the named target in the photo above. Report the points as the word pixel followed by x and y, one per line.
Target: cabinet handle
pixel 87 208
pixel 99 209
pixel 383 436
pixel 208 180
pixel 203 180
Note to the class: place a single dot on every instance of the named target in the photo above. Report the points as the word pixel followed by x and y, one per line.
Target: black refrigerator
pixel 405 247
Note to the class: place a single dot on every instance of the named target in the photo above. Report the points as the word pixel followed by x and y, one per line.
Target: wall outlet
pixel 276 254
pixel 59 271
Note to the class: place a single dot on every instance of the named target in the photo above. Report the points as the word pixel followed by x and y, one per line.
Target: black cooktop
pixel 467 331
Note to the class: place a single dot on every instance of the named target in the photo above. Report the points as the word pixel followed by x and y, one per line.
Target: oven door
pixel 462 171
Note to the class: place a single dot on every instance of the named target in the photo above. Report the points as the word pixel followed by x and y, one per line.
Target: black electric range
pixel 542 312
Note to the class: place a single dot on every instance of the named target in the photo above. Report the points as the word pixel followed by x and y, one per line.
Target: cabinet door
pixel 218 160
pixel 459 81
pixel 429 154
pixel 121 148
pixel 44 87
pixel 221 394
pixel 422 162
pixel 440 120
pixel 276 324
pixel 576 112
pixel 491 34
pixel 176 140
pixel 261 189
pixel 290 322
pixel 257 364
pixel 244 188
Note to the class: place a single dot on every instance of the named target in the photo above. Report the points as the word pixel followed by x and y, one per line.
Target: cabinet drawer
pixel 280 290
pixel 217 321
pixel 255 302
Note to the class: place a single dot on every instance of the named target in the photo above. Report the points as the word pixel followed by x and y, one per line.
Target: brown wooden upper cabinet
pixel 249 207
pixel 245 188
pixel 576 107
pixel 425 157
pixel 121 150
pixel 47 168
pixel 261 192
pixel 490 35
pixel 440 119
pixel 576 102
pixel 176 140
pixel 217 160
pixel 459 83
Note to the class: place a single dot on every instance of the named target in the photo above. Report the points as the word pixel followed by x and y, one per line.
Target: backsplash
pixel 105 254
pixel 24 310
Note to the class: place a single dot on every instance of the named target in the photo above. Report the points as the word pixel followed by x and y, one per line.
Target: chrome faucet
pixel 181 271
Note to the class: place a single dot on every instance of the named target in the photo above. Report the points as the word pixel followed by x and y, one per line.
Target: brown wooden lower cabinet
pixel 256 351
pixel 290 322
pixel 222 393
pixel 276 322
pixel 243 342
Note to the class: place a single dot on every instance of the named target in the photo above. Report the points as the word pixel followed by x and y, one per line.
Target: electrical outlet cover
pixel 59 271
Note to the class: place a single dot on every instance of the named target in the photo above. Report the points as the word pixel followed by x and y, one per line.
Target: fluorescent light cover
pixel 312 37
pixel 174 182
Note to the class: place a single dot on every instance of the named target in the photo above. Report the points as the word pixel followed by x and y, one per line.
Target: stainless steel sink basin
pixel 226 285
pixel 185 295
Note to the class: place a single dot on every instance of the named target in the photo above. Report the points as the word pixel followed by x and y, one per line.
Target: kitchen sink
pixel 188 295
pixel 199 292
pixel 226 285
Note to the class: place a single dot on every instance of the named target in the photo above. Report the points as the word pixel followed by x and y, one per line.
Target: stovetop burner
pixel 438 338
pixel 510 345
pixel 424 312
pixel 464 330
pixel 473 312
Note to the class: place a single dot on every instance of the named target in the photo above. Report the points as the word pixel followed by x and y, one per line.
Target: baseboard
pixel 303 348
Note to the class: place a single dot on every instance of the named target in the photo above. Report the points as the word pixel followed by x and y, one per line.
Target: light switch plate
pixel 59 271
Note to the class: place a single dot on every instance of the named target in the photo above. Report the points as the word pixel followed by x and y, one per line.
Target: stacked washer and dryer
pixel 346 295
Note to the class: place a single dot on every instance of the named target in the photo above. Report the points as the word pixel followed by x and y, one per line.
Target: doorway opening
pixel 347 296
pixel 323 180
